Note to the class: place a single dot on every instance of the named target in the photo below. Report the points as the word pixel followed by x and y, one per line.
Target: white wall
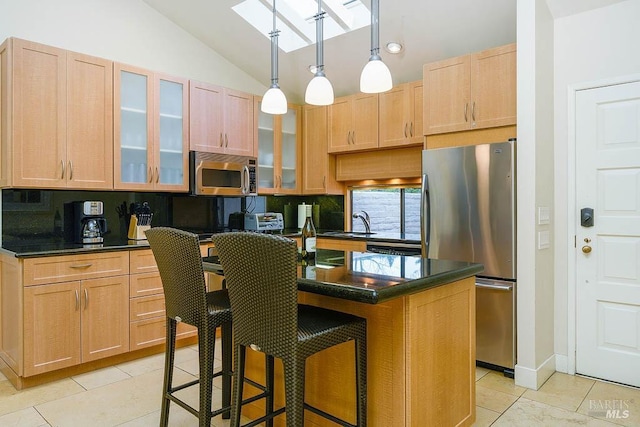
pixel 535 177
pixel 590 48
pixel 127 31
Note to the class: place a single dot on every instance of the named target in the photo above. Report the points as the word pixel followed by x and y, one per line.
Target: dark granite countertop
pixel 373 278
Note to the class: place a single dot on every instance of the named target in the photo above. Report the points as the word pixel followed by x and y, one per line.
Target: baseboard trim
pixel 534 378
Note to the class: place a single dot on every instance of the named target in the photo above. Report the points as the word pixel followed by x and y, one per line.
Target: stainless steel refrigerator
pixel 468 214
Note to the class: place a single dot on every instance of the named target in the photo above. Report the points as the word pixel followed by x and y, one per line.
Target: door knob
pixel 586 249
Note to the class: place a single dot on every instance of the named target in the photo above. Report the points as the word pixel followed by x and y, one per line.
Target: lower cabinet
pixel 147 317
pixel 69 323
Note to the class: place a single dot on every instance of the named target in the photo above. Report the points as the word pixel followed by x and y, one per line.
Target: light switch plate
pixel 543 239
pixel 543 215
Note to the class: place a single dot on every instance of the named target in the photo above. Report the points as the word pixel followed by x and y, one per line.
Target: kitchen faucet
pixel 364 216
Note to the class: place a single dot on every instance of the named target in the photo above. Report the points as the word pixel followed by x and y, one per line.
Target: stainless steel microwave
pixel 222 174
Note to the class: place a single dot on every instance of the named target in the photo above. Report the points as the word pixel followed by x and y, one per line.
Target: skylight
pixel 295 19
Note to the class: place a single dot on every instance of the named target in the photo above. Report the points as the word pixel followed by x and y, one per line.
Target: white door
pixel 608 253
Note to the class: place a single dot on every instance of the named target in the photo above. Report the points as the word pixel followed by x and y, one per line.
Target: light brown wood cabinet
pixel 318 167
pixel 221 120
pixel 278 144
pixel 151 118
pixel 57 118
pixel 470 92
pixel 353 123
pixel 147 316
pixel 67 322
pixel 401 115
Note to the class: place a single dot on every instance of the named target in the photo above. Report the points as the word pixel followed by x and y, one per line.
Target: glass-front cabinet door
pixel 150 131
pixel 279 151
pixel 132 128
pixel 171 161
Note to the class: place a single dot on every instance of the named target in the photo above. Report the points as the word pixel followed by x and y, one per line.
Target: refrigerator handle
pixel 425 215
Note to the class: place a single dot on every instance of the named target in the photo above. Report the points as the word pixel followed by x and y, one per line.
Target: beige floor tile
pixel 497 381
pixel 28 417
pixel 111 404
pixel 617 399
pixel 12 400
pixel 101 377
pixel 562 390
pixel 485 417
pixel 494 400
pixel 481 372
pixel 156 362
pixel 535 414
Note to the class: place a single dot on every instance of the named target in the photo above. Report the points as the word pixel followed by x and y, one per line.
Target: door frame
pixel 572 206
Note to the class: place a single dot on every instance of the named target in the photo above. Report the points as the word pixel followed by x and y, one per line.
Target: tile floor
pixel 129 395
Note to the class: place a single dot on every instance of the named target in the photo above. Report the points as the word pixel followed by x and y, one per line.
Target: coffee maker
pixel 84 222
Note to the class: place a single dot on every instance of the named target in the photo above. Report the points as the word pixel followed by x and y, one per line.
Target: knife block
pixel 136 231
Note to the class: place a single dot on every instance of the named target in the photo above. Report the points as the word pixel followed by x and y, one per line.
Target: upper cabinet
pixel 56 118
pixel 279 143
pixel 401 115
pixel 353 123
pixel 150 129
pixel 470 92
pixel 221 120
pixel 319 167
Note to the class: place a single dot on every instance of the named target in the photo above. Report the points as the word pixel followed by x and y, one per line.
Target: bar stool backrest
pixel 260 272
pixel 177 254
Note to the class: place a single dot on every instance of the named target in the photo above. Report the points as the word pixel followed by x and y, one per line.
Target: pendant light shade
pixel 319 91
pixel 375 77
pixel 274 101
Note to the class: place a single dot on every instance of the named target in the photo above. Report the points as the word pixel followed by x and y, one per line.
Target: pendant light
pixel 274 101
pixel 319 91
pixel 375 77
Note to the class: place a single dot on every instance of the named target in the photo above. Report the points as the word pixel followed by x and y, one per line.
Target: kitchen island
pixel 420 336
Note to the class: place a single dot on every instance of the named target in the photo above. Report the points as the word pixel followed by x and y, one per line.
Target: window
pixel 391 209
pixel 296 22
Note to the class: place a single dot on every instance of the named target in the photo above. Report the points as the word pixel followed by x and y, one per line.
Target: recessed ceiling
pixel 429 30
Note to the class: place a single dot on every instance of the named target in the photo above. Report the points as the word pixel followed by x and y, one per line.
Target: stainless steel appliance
pixel 468 214
pixel 222 174
pixel 84 222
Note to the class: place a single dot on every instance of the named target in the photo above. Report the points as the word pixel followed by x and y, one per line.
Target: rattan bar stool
pixel 260 271
pixel 177 254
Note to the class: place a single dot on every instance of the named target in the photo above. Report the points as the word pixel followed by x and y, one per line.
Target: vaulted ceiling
pixel 430 30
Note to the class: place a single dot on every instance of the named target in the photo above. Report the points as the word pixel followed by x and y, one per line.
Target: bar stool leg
pixel 227 367
pixel 294 391
pixel 269 363
pixel 238 385
pixel 361 379
pixel 170 349
pixel 206 349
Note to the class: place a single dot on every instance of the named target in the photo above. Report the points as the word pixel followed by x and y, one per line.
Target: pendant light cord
pixel 319 17
pixel 375 29
pixel 274 50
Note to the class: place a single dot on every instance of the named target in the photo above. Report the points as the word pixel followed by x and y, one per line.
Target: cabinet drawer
pixel 147 333
pixel 145 284
pixel 65 268
pixel 146 307
pixel 142 261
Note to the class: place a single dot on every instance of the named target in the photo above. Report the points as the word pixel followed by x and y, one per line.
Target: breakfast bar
pixel 420 336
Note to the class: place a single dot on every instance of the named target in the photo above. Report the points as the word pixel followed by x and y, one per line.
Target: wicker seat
pixel 177 254
pixel 260 271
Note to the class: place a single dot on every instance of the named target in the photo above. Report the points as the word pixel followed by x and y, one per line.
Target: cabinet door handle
pixel 150 175
pixel 411 130
pixel 324 182
pixel 354 137
pixel 349 137
pixel 226 140
pixel 466 106
pixel 77 300
pixel 157 175
pixel 70 170
pixel 473 111
pixel 62 164
pixel 405 129
pixel 87 265
pixel 221 140
pixel 86 298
